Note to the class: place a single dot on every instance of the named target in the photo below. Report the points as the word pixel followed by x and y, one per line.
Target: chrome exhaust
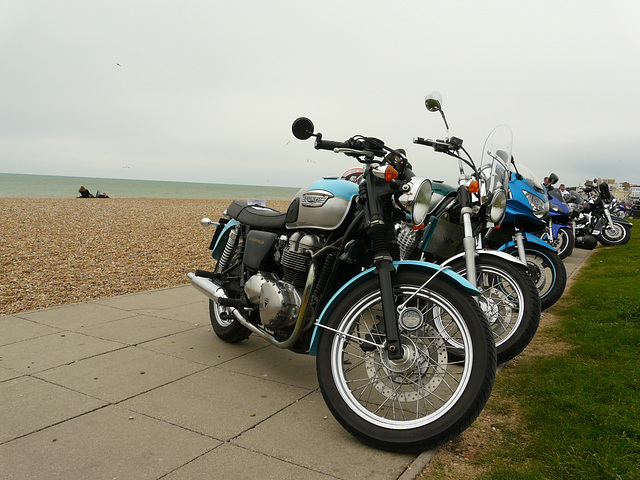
pixel 215 292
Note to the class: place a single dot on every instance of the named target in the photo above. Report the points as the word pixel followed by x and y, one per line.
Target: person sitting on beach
pixel 84 193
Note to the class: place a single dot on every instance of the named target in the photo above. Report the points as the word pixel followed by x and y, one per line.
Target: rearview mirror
pixel 302 128
pixel 433 102
pixel 553 179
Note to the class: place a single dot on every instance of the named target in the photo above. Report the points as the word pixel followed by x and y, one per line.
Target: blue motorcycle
pixel 559 232
pixel 527 209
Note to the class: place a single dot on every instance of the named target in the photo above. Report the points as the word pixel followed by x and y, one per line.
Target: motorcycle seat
pixel 256 216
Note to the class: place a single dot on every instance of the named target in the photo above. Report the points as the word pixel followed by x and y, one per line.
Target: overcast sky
pixel 206 90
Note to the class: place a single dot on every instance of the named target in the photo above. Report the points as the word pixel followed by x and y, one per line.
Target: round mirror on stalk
pixel 302 128
pixel 433 102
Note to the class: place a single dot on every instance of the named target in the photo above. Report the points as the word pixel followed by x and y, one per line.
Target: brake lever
pixel 355 153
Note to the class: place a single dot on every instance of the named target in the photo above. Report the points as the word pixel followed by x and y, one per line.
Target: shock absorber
pixel 229 248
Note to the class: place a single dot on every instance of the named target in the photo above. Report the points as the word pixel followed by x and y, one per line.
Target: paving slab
pixel 216 402
pixel 321 444
pixel 118 375
pixel 201 345
pixel 6 374
pixel 222 464
pixel 15 329
pixel 278 365
pixel 49 351
pixel 196 313
pixel 136 329
pixel 30 404
pixel 155 300
pixel 76 316
pixel 109 443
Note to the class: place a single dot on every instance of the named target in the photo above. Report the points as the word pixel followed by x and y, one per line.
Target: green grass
pixel 579 409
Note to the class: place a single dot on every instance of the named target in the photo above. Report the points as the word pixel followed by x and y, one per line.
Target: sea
pixel 49 186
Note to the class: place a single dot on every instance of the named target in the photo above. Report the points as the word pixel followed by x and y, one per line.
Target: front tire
pixel 564 243
pixel 547 271
pixel 425 398
pixel 511 303
pixel 616 234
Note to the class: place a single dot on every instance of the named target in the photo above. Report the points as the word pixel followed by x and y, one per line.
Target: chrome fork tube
pixel 519 238
pixel 469 244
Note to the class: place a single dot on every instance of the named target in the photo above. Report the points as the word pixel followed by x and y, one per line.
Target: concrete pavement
pixel 138 386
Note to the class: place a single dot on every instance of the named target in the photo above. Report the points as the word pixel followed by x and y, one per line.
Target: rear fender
pixel 426 267
pixel 221 241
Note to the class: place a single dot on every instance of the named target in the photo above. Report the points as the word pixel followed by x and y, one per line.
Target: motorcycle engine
pixel 279 300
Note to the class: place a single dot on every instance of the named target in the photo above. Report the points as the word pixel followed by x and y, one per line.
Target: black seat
pixel 256 216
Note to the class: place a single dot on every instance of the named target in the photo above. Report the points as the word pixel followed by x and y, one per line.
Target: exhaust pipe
pixel 216 293
pixel 206 286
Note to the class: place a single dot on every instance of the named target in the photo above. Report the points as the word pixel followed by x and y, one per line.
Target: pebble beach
pixel 61 251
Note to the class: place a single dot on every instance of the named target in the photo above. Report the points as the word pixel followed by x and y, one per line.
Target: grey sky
pixel 206 91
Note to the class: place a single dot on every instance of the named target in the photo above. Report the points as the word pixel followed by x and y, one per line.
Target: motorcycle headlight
pixel 540 207
pixel 418 199
pixel 497 206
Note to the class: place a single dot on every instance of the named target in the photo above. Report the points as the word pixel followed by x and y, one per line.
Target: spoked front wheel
pixel 424 398
pixel 510 301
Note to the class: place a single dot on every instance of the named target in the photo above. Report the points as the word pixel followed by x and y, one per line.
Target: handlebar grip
pixel 424 141
pixel 330 145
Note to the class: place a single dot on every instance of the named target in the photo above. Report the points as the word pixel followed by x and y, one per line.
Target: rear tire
pixel 422 400
pixel 226 328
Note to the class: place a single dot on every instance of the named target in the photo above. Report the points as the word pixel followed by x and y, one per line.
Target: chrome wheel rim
pixel 417 389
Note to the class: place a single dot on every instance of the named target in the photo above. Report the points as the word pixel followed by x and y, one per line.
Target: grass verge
pixel 571 408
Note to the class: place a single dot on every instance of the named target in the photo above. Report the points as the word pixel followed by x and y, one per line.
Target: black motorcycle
pixel 325 278
pixel 593 219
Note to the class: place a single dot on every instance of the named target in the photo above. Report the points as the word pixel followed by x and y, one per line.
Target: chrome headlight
pixel 418 199
pixel 497 206
pixel 540 207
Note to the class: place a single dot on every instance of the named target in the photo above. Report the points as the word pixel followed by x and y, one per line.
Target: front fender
pixel 529 237
pixel 426 267
pixel 493 253
pixel 621 221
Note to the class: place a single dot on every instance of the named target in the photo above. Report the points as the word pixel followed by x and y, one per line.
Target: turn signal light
pixel 388 173
pixel 474 186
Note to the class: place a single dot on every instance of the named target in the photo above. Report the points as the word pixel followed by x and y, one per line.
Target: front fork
pixel 519 239
pixel 469 244
pixel 607 214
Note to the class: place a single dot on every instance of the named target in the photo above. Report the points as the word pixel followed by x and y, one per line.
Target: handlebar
pixel 452 144
pixel 321 144
pixel 423 141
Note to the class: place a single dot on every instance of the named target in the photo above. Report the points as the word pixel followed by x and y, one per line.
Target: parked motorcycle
pixel 325 278
pixel 559 231
pixel 597 221
pixel 620 209
pixel 527 208
pixel 452 237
